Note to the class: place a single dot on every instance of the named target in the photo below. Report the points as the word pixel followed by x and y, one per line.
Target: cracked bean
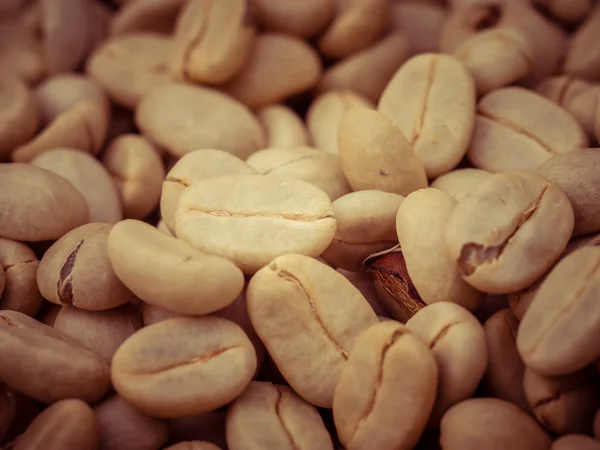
pixel 252 219
pixel 76 271
pixel 308 316
pixel 157 369
pixel 509 231
pixel 268 415
pixel 389 371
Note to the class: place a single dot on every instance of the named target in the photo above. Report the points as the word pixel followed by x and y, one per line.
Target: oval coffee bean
pixel 65 424
pixel 535 127
pixel 503 377
pixel 76 271
pixel 420 224
pixel 252 219
pixel 181 118
pixel 564 305
pixel 564 404
pixel 38 205
pixel 583 57
pixel 267 415
pixel 460 182
pixel 431 99
pixel 182 280
pixel 366 224
pixel 304 19
pixel 157 369
pixel 122 427
pixel 389 371
pixel 158 16
pixel 509 231
pixel 375 155
pixel 574 172
pixel 323 169
pixel 52 365
pixel 457 342
pixel 283 127
pixel 308 316
pixel 491 424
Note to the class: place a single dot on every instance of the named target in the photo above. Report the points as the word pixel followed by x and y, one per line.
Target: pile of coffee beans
pixel 300 224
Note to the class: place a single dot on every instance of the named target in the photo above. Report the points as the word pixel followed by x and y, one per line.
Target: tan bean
pixel 389 371
pixel 583 56
pixel 182 280
pixel 459 183
pixel 20 52
pixel 420 22
pixel 157 369
pixel 304 19
pixel 583 108
pixel 437 120
pixel 561 89
pixel 283 127
pixel 308 316
pixel 157 16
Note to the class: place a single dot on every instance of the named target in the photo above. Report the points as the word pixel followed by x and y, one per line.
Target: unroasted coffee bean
pixel 564 305
pixel 459 183
pixel 389 371
pixel 564 404
pixel 308 316
pixel 304 19
pixel 458 344
pixel 491 424
pixel 252 219
pixel 49 365
pixel 76 271
pixel 509 231
pixel 583 57
pixel 39 204
pixel 122 427
pixel 420 22
pixel 157 369
pixel 65 424
pixel 273 416
pixel 283 127
pixel 158 16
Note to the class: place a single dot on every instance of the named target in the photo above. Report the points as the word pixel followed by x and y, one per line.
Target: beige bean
pixel 420 22
pixel 283 127
pixel 491 424
pixel 129 66
pixel 364 283
pixel 575 174
pixel 19 115
pixel 366 224
pixel 196 166
pixel 356 25
pixel 420 224
pixel 252 219
pixel 567 11
pixel 458 344
pixel 325 114
pixel 37 204
pixel 65 424
pixel 583 109
pixel 583 57
pixel 564 404
pixel 182 118
pixel 90 178
pixel 549 40
pixel 375 155
pixel 212 40
pixel 322 169
pixel 138 173
pixel 563 306
pixel 53 366
pixel 503 377
pixel 157 369
pixel 561 89
pixel 389 371
pixel 157 16
pixel 436 120
pixel 355 72
pixel 496 58
pixel 509 231
pixel 100 331
pixel 122 427
pixel 459 183
pixel 267 415
pixel 20 52
pixel 304 19
pixel 522 118
pixel 278 67
pixel 576 442
pixel 76 271
pixel 182 280
pixel 308 316
pixel 20 266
